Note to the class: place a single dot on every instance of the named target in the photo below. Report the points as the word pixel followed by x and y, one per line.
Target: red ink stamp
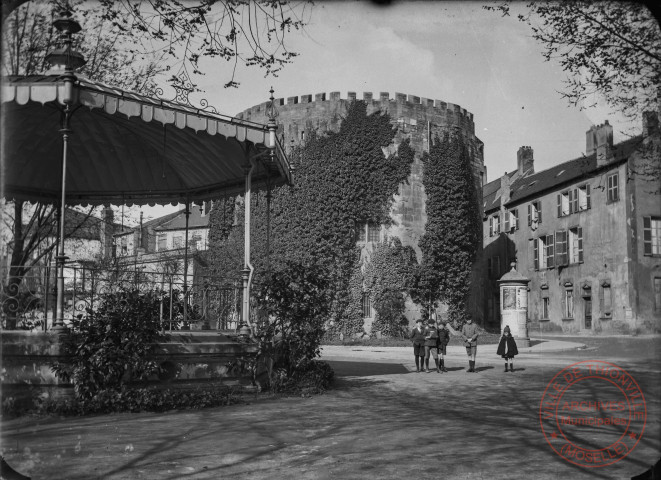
pixel 593 413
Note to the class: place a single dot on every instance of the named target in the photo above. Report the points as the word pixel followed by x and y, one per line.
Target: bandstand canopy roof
pixel 126 148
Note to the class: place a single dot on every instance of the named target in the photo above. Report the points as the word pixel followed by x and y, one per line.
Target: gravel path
pixel 380 421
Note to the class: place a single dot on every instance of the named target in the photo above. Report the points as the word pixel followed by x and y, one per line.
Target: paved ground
pixel 380 421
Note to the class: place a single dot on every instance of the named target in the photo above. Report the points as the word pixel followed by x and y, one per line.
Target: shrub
pixel 313 377
pixel 109 346
pixel 126 400
pixel 295 304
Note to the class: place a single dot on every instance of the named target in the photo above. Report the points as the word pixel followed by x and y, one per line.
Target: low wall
pixel 188 360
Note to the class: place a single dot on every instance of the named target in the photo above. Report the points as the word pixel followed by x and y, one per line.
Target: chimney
pixel 505 189
pixel 525 161
pixel 599 140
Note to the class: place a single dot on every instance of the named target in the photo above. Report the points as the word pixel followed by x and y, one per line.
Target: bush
pixel 295 305
pixel 313 377
pixel 109 347
pixel 126 400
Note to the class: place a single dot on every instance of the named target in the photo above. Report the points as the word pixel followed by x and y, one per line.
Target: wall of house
pixel 605 267
pixel 128 239
pixel 642 200
pixel 170 235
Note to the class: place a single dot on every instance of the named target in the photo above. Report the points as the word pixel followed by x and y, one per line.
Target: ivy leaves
pixel 449 244
pixel 342 179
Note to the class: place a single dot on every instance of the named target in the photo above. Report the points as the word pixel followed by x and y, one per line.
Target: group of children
pixel 432 340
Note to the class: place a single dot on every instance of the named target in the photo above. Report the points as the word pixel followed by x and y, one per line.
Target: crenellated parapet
pixel 405 109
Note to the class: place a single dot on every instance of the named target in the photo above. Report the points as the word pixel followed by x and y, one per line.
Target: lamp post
pixel 248 269
pixel 64 61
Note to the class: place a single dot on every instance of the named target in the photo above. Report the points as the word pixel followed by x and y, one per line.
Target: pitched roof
pixel 536 183
pixel 490 196
pixel 177 221
pixel 570 171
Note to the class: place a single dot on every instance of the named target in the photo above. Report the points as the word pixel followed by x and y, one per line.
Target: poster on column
pixel 521 298
pixel 509 298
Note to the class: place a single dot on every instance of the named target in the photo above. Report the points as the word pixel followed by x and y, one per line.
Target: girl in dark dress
pixel 507 348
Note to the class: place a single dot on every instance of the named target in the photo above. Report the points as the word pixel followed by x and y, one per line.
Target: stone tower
pixel 419 119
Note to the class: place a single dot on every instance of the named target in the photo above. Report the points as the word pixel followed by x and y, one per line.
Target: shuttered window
pixel 575 245
pixel 560 248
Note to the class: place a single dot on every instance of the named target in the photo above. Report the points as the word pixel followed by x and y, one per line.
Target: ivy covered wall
pixel 452 235
pixel 341 179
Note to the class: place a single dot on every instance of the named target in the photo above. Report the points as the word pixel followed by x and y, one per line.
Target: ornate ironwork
pixel 183 87
pixel 210 302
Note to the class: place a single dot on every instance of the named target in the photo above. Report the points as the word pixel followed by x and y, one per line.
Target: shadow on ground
pixel 365 369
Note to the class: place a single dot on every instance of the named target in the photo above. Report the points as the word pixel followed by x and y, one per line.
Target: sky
pixel 456 52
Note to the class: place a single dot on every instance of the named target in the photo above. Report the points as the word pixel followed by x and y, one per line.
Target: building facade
pixel 159 245
pixel 587 233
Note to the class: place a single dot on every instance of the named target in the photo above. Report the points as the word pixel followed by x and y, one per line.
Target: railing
pixel 203 303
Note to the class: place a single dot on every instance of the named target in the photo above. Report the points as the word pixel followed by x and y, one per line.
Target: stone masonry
pixel 417 118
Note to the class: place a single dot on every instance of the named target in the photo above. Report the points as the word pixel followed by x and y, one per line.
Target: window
pixel 582 196
pixel 493 267
pixel 162 240
pixel 561 248
pixel 543 252
pixel 535 214
pixel 362 232
pixel 545 308
pixel 548 251
pixel 368 232
pixel 575 245
pixel 606 298
pixel 367 305
pixel 196 242
pixel 657 294
pixel 612 188
pixel 177 241
pixel 124 247
pixel 568 304
pixel 494 225
pixel 574 200
pixel 511 220
pixel 563 204
pixel 373 233
pixel 651 236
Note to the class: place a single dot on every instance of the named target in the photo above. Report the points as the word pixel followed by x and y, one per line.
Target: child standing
pixel 431 345
pixel 418 339
pixel 507 348
pixel 470 333
pixel 443 340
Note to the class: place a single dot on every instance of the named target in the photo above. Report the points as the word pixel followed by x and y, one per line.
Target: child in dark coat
pixel 507 348
pixel 418 338
pixel 443 340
